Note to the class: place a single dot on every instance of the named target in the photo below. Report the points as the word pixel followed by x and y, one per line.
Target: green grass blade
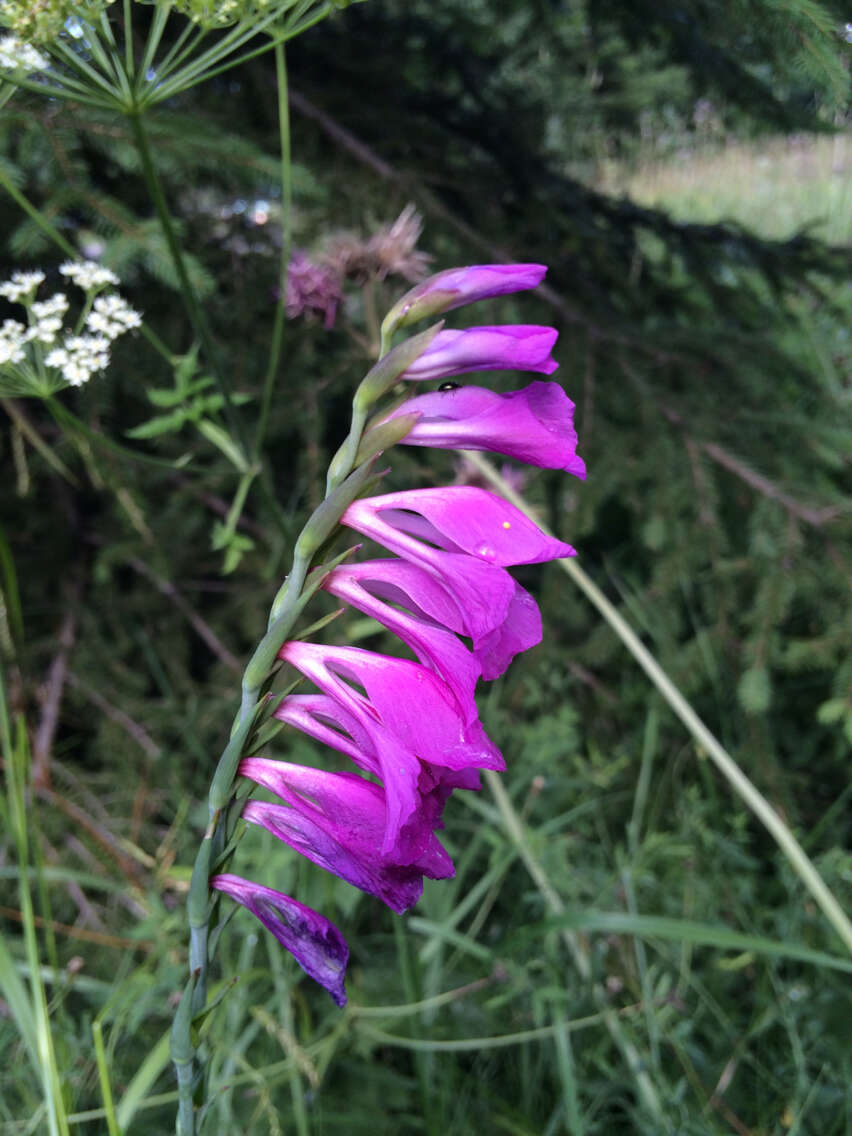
pixel 698 934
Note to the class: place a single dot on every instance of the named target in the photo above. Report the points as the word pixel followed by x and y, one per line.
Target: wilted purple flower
pixel 312 289
pixel 457 286
pixel 509 347
pixel 534 425
pixel 315 943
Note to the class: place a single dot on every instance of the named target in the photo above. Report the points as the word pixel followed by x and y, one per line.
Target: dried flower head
pixel 312 289
pixel 390 251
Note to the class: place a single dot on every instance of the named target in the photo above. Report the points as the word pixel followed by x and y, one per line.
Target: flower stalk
pixel 413 726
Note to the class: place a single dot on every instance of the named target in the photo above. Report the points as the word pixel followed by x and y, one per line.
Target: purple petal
pixel 507 347
pixel 366 585
pixel 520 630
pixel 458 518
pixel 314 942
pixel 356 732
pixel 415 792
pixel 457 286
pixel 533 425
pixel 352 812
pixel 409 700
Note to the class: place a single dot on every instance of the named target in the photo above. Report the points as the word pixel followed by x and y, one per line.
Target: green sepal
pixel 264 736
pixel 413 307
pixel 198 900
pixel 221 994
pixel 327 517
pixel 385 374
pixel 382 437
pixel 216 933
pixel 319 624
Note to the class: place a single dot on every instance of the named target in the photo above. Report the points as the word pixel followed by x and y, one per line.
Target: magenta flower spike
pixel 406 698
pixel 424 626
pixel 411 728
pixel 315 943
pixel 507 347
pixel 534 425
pixel 337 820
pixel 457 286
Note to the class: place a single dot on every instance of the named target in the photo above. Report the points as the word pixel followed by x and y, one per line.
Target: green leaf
pixel 165 398
pixel 699 934
pixel 162 424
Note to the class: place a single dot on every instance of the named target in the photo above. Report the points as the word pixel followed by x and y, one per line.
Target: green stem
pixel 36 215
pixel 798 859
pixel 286 233
pixel 128 41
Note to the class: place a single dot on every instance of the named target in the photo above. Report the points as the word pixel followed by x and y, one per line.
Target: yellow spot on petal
pixel 507 524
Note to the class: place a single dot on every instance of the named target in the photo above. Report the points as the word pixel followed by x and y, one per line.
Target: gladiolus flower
pixel 338 820
pixel 415 791
pixel 509 347
pixel 424 626
pixel 315 943
pixel 409 700
pixel 533 425
pixel 457 286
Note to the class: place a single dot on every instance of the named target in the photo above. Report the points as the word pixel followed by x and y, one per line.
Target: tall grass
pixel 774 186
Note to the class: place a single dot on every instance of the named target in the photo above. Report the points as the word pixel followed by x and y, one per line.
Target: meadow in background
pixel 624 948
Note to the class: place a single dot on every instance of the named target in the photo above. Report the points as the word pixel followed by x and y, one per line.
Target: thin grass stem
pixel 286 235
pixel 103 1078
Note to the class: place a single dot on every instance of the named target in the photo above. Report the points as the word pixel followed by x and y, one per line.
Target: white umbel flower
pixel 88 274
pixel 13 339
pixel 15 55
pixel 47 315
pixel 112 316
pixel 77 357
pixel 21 284
pixel 80 357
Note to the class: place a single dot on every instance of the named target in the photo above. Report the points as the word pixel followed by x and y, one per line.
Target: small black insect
pixel 449 386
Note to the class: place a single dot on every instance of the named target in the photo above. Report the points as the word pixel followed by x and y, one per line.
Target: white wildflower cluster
pixel 80 357
pixel 112 316
pixel 13 340
pixel 47 316
pixel 77 356
pixel 15 55
pixel 21 285
pixel 88 274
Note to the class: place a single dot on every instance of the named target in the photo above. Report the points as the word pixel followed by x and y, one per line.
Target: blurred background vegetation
pixel 684 169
